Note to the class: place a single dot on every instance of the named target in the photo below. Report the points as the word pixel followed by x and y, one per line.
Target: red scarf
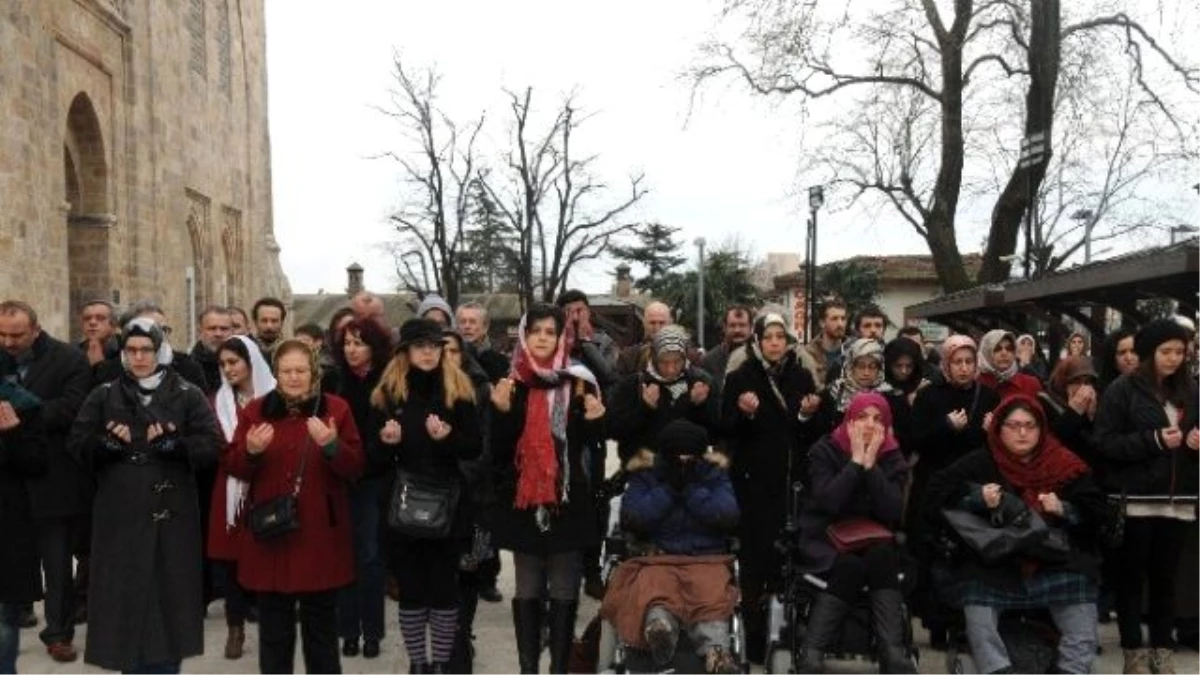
pixel 536 457
pixel 1051 465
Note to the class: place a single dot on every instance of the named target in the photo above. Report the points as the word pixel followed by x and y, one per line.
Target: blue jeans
pixel 10 635
pixel 166 668
pixel 360 606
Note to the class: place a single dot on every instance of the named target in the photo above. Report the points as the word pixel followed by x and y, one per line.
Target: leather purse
pixel 994 542
pixel 421 506
pixel 855 534
pixel 279 516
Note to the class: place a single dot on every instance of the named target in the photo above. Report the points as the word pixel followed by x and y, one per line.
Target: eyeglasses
pixel 1017 427
pixel 140 351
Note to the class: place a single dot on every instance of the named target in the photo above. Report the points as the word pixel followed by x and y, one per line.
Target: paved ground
pixel 496 652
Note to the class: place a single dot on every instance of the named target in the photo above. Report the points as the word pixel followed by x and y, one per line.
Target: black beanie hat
pixel 420 330
pixel 681 437
pixel 1155 333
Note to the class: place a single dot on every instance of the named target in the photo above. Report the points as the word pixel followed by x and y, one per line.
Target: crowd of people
pixel 306 479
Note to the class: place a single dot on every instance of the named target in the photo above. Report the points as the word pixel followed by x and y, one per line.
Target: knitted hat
pixel 681 437
pixel 435 301
pixel 672 338
pixel 1155 333
pixel 420 330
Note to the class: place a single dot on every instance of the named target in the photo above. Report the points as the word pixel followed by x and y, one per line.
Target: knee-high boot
pixel 562 633
pixel 824 620
pixel 887 620
pixel 527 621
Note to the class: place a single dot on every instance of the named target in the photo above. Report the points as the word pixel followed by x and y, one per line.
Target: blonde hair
pixel 393 384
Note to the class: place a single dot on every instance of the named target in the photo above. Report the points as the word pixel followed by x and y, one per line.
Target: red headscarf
pixel 860 402
pixel 1050 466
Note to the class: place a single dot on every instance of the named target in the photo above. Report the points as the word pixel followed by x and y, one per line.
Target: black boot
pixel 527 621
pixel 887 620
pixel 562 633
pixel 824 620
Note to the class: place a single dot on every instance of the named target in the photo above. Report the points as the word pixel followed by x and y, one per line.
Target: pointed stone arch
pixel 233 246
pixel 198 228
pixel 86 199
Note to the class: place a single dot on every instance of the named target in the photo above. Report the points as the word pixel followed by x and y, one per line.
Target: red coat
pixel 224 543
pixel 1017 384
pixel 320 555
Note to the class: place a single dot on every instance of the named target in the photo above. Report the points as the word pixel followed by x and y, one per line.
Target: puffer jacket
pixel 693 521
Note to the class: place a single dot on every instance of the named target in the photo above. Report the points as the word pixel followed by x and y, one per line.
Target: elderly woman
pixel 668 389
pixel 543 418
pixel 144 435
pixel 998 366
pixel 300 442
pixel 1024 468
pixel 245 377
pixel 856 473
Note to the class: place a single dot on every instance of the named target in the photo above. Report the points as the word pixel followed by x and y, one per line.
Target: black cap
pixel 682 437
pixel 420 330
pixel 1157 332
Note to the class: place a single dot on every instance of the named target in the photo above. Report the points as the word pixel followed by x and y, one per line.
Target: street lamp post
pixel 1034 151
pixel 816 199
pixel 1182 229
pixel 1087 216
pixel 700 295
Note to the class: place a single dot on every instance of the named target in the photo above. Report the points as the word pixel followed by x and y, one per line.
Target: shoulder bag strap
pixel 303 461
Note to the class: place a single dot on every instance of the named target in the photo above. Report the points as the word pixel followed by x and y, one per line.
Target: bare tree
pixel 902 72
pixel 438 162
pixel 559 212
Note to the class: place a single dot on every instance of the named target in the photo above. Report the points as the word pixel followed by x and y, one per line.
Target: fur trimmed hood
pixel 644 459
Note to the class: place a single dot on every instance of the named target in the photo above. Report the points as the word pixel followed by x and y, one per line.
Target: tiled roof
pixel 891 268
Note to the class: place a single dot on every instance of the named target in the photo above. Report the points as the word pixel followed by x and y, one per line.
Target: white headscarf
pixel 227 414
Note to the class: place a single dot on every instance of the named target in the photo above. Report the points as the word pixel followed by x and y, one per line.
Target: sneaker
pixel 491 594
pixel 62 652
pixel 1162 661
pixel 1137 662
pixel 661 639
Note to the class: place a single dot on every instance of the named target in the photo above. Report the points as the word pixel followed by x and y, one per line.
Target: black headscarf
pixel 898 347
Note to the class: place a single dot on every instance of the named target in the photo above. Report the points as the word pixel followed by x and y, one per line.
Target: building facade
pixel 135 156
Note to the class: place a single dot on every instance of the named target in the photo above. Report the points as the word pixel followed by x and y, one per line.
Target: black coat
pixel 840 489
pixel 938 445
pixel 418 453
pixel 209 365
pixel 764 443
pixel 573 526
pixel 356 391
pixel 635 425
pixel 1076 431
pixel 952 487
pixel 60 377
pixel 145 596
pixel 495 364
pixel 186 366
pixel 1127 422
pixel 22 457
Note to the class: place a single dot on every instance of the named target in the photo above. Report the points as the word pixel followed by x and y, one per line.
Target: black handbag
pixel 279 516
pixel 421 506
pixel 993 543
pixel 1112 530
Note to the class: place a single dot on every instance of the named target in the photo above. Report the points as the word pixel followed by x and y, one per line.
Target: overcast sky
pixel 728 169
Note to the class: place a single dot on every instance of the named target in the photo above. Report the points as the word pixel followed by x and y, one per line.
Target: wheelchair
pixel 788 608
pixel 617 657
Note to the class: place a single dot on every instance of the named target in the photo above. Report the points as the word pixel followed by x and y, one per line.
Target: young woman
pixel 1077 345
pixel 1147 437
pixel 1116 356
pixel 426 423
pixel 245 376
pixel 1030 357
pixel 1024 468
pixel 947 422
pixel 298 441
pixel 1070 400
pixel 903 361
pixel 856 472
pixel 763 402
pixel 543 417
pixel 998 366
pixel 361 351
pixel 144 435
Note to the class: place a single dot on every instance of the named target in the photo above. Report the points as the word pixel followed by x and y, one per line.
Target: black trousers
pixel 318 632
pixel 1149 560
pixel 58 540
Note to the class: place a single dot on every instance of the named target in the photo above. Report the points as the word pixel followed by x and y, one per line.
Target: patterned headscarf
pixel 671 339
pixel 987 345
pixel 845 387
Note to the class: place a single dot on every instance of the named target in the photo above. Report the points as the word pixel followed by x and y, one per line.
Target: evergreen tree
pixel 655 249
pixel 489 256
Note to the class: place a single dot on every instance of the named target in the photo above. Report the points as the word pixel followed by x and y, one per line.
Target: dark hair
pixel 312 330
pixel 574 295
pixel 233 309
pixel 269 302
pixel 1028 406
pixel 10 307
pixel 1176 388
pixel 831 303
pixel 238 348
pixel 336 319
pixel 1106 359
pixel 375 336
pixel 542 311
pixel 914 331
pixel 870 312
pixel 112 311
pixel 737 309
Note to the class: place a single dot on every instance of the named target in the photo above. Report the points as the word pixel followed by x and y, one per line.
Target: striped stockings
pixel 443 625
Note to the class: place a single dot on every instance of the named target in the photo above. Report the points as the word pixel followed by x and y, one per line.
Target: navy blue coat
pixel 694 521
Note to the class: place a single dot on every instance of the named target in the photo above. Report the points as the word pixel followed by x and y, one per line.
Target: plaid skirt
pixel 1044 589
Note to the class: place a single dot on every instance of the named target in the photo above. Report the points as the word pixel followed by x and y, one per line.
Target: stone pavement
pixel 495 649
